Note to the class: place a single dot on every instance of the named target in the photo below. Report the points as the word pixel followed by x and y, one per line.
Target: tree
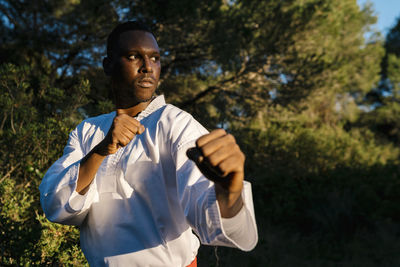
pixel 32 126
pixel 385 98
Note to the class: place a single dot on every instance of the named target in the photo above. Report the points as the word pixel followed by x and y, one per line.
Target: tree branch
pixel 200 95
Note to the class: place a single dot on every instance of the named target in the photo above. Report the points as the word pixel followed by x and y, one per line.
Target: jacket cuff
pixel 76 201
pixel 241 230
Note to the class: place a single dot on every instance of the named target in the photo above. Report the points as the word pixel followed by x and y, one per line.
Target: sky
pixel 387 12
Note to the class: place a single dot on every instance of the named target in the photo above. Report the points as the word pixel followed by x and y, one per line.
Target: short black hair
pixel 113 38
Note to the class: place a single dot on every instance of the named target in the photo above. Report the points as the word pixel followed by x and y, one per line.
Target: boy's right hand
pixel 122 131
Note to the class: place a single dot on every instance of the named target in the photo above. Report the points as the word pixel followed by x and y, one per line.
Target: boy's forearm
pixel 88 169
pixel 229 203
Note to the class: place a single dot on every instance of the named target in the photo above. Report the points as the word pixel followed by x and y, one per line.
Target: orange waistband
pixel 193 264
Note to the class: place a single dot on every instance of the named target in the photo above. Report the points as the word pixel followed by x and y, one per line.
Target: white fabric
pixel 147 198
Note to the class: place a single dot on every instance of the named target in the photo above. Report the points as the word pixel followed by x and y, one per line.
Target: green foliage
pixel 323 195
pixel 28 238
pixel 294 163
pixel 31 134
pixel 385 98
pixel 59 242
pixel 17 239
pixel 384 120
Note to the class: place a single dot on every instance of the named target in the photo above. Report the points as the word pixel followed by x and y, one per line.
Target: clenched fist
pixel 220 159
pixel 122 131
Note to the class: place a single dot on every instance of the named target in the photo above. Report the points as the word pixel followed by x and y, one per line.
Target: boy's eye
pixel 132 57
pixel 154 58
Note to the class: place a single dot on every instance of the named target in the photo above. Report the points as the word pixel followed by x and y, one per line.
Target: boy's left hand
pixel 220 159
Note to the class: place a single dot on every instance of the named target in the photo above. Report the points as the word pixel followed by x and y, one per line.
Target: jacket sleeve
pixel 198 200
pixel 58 198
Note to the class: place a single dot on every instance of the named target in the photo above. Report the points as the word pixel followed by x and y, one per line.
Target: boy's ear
pixel 108 66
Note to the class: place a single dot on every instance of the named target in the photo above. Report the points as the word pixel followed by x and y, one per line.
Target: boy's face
pixel 135 68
